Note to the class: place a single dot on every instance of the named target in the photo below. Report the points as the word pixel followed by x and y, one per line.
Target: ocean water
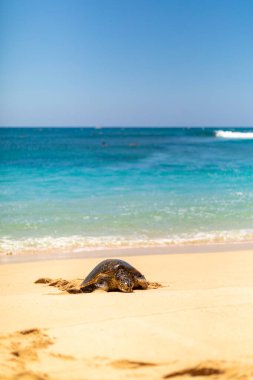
pixel 75 189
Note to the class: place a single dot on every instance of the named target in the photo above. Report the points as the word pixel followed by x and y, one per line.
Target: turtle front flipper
pixel 101 282
pixel 141 282
pixel 87 288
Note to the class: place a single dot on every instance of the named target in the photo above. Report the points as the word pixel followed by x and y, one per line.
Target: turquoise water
pixel 66 189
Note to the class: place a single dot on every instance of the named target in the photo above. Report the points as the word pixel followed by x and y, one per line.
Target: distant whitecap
pixel 234 135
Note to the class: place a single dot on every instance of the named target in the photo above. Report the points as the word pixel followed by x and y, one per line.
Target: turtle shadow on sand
pixel 109 275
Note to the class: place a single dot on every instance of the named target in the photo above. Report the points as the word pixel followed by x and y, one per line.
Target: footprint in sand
pixel 19 348
pixel 200 371
pixel 130 364
pixel 214 370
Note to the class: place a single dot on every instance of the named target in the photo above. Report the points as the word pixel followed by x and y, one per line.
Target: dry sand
pixel 198 325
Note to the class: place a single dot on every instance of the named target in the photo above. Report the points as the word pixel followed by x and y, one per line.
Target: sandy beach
pixel 126 131
pixel 198 324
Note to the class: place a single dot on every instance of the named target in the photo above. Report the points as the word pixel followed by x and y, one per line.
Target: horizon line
pixel 126 126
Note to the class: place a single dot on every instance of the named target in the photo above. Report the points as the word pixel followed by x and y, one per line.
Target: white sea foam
pixel 234 135
pixel 76 243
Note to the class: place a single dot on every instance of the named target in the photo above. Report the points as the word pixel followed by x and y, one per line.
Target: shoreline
pixel 127 251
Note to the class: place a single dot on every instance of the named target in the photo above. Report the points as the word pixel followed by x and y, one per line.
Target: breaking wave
pixel 75 244
pixel 234 135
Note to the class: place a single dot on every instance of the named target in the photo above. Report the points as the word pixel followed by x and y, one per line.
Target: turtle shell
pixel 107 267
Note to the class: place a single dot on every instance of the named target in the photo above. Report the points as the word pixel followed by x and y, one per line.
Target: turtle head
pixel 125 284
pixel 124 281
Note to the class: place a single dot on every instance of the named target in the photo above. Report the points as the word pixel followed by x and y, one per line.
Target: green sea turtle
pixel 113 274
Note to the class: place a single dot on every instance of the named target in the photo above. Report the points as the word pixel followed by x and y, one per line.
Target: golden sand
pixel 199 324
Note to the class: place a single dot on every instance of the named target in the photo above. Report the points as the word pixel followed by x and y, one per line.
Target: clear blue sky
pixel 126 62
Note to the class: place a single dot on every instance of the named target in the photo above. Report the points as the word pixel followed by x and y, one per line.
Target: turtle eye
pixel 127 282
